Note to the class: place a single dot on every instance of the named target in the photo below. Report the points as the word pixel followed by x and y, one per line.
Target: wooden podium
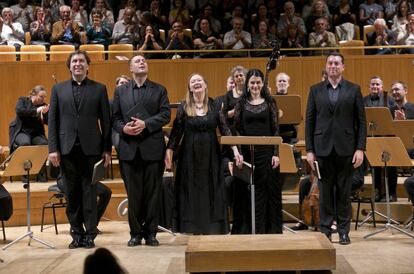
pixel 251 141
pixel 385 152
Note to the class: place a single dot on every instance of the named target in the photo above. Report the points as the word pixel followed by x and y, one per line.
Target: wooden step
pixel 226 253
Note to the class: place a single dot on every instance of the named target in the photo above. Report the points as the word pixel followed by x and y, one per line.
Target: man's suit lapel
pixel 69 94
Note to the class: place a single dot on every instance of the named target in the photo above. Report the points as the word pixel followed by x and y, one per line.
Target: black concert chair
pixel 6 208
pixel 57 200
pixel 357 197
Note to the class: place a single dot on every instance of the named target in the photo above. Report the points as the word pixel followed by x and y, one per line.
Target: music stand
pixel 251 141
pixel 27 160
pixel 289 109
pixel 384 152
pixel 288 165
pixel 405 130
pixel 379 123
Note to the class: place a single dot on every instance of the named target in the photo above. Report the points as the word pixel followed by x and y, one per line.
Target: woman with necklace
pixel 256 114
pixel 199 183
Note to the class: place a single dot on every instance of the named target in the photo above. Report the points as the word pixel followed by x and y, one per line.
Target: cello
pixel 310 204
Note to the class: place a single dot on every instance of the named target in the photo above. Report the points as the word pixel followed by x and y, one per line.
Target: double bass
pixel 310 204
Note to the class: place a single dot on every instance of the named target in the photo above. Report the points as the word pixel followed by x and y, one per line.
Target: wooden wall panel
pixel 18 78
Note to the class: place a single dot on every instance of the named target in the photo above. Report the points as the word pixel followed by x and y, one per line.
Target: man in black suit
pixel 335 137
pixel 79 136
pixel 141 148
pixel 376 96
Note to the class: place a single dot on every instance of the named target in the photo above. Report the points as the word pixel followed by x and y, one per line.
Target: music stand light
pixel 384 152
pixel 251 141
pixel 27 160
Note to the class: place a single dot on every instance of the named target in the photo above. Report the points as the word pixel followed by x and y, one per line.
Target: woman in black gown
pixel 256 114
pixel 199 184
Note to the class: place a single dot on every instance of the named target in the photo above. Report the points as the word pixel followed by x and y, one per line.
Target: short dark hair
pixel 76 52
pixel 334 53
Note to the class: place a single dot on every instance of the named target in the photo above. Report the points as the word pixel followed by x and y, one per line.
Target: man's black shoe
pixel 151 241
pixel 299 226
pixel 134 241
pixel 344 239
pixel 88 243
pixel 76 244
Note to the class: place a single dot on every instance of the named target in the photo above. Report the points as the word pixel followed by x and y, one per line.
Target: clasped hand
pixel 135 127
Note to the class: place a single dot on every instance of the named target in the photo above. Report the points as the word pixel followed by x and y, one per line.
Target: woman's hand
pixel 168 158
pixel 237 157
pixel 275 162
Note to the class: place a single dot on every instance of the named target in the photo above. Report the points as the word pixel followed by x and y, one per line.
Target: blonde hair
pixel 190 107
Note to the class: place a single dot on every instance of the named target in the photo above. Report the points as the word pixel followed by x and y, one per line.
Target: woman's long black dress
pixel 258 120
pixel 199 185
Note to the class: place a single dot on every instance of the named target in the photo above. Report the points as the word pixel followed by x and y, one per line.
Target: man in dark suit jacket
pixel 335 137
pixel 79 136
pixel 381 36
pixel 375 98
pixel 141 148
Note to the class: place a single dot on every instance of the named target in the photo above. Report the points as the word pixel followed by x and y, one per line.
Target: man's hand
pixel 399 115
pixel 54 158
pixel 106 156
pixel 275 162
pixel 311 157
pixel 168 158
pixel 139 123
pixel 130 129
pixel 358 158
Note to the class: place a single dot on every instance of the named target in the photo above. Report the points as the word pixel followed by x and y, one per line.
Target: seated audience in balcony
pixel 12 33
pixel 126 31
pixel 23 14
pixel 295 39
pixel 289 18
pixel 400 21
pixel 409 37
pixel 40 29
pixel 79 14
pixel 343 21
pixel 65 31
pixel 321 37
pixel 390 9
pixel 52 8
pixel 381 36
pixel 97 31
pixel 237 39
pixel 108 16
pixel 159 17
pixel 177 40
pixel 180 13
pixel 207 12
pixel 130 4
pixel 256 18
pixel 318 9
pixel 263 40
pixel 369 11
pixel 150 40
pixel 236 12
pixel 273 15
pixel 206 39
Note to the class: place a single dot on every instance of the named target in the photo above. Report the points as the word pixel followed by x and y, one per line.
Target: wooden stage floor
pixel 383 253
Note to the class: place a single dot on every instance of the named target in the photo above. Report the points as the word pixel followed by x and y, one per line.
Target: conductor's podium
pixel 228 253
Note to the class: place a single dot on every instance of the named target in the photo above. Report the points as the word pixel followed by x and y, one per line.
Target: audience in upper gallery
pixel 108 16
pixel 12 33
pixel 318 9
pixel 126 31
pixel 237 38
pixel 179 13
pixel 381 36
pixel 150 40
pixel 40 29
pixel 97 31
pixel 130 4
pixel 263 40
pixel 159 17
pixel 344 21
pixel 23 14
pixel 207 12
pixel 65 31
pixel 206 39
pixel 409 37
pixel 369 11
pixel 53 8
pixel 321 37
pixel 400 21
pixel 79 14
pixel 288 18
pixel 295 39
pixel 177 40
pixel 236 12
pixel 259 16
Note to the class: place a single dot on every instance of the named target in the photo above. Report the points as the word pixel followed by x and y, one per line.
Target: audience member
pixel 206 39
pixel 294 39
pixel 207 12
pixel 65 31
pixel 108 16
pixel 381 36
pixel 12 33
pixel 23 14
pixel 132 5
pixel 263 40
pixel 126 31
pixel 97 31
pixel 257 18
pixel 177 40
pixel 159 18
pixel 40 29
pixel 102 261
pixel 321 38
pixel 288 18
pixel 409 37
pixel 344 20
pixel 369 11
pixel 318 9
pixel 179 13
pixel 150 40
pixel 237 39
pixel 400 21
pixel 79 14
